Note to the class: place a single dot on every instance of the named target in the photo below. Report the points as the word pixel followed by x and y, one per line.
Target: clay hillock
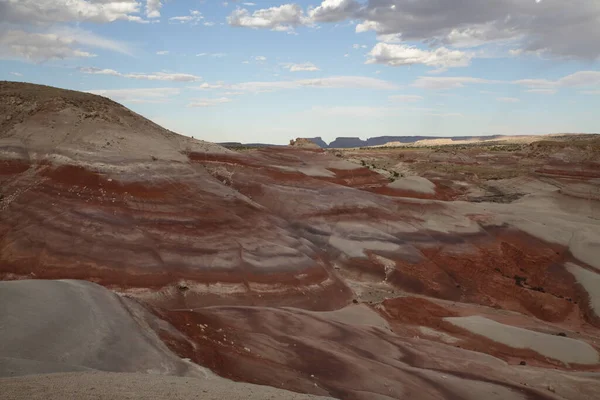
pixel 41 121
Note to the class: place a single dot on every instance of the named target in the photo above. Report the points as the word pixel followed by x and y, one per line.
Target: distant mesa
pixel 353 142
pixel 349 142
pixel 319 142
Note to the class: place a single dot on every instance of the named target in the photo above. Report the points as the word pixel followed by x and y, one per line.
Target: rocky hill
pixel 304 143
pixel 40 122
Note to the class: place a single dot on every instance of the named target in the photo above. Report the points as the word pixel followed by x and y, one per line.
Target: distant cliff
pixel 319 142
pixel 348 142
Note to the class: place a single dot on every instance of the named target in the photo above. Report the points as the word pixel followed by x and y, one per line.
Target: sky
pixel 269 71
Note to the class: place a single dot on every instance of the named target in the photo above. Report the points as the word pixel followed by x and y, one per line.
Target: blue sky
pixel 269 71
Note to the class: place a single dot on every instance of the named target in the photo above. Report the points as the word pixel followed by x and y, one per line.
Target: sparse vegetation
pixel 520 280
pixel 506 147
pixel 239 147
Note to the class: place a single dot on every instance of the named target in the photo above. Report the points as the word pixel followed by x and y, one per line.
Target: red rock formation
pixel 218 243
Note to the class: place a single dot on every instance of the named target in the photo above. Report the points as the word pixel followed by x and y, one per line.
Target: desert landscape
pixel 138 263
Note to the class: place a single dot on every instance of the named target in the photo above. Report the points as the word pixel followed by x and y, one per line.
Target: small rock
pixel 522 363
pixel 562 334
pixel 551 389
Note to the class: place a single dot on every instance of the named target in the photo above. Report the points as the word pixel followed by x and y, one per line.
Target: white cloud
pixel 307 66
pixel 260 58
pixel 249 4
pixel 16 73
pixel 99 71
pixel 208 23
pixel 359 46
pixel 580 78
pixel 375 112
pixel 210 102
pixel 39 46
pixel 214 55
pixel 398 55
pixel 508 99
pixel 209 86
pixel 478 35
pixel 537 83
pixel 577 79
pixel 89 39
pixel 334 10
pixel 157 76
pixel 405 98
pixel 561 28
pixel 150 95
pixel 193 18
pixel 390 38
pixel 51 11
pixel 164 76
pixel 443 83
pixel 282 18
pixel 542 91
pixel 334 82
pixel 54 43
pixel 354 111
pixel 367 26
pixel 153 8
pixel 162 52
pixel 245 62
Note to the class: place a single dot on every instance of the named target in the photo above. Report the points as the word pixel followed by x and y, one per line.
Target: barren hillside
pixel 356 274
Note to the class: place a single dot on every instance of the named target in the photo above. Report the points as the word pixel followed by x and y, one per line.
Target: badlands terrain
pixel 138 263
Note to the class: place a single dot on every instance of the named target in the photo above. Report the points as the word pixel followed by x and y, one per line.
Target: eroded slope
pixel 234 249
